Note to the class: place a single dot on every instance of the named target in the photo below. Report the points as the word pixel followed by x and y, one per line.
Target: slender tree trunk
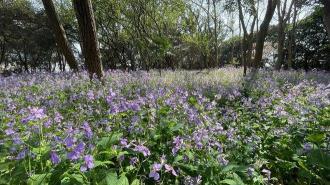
pixel 24 62
pixel 261 35
pixel 87 27
pixel 63 64
pixel 2 52
pixel 280 46
pixel 241 47
pixel 249 49
pixel 290 49
pixel 283 17
pixel 215 34
pixel 326 18
pixel 247 44
pixel 60 36
pixel 244 55
pixel 292 38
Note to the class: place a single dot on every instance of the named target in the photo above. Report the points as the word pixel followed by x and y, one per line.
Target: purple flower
pixel 77 152
pixel 9 131
pixel 154 175
pixel 54 157
pixel 36 114
pixel 169 168
pixel 25 120
pixel 111 96
pixel 58 117
pixel 47 124
pixel 69 142
pixel 134 106
pixel 142 149
pixel 223 161
pixel 267 172
pixel 178 142
pixel 199 145
pixel 16 139
pixel 88 163
pixel 21 155
pixel 90 95
pixel 123 142
pixel 88 130
pixel 10 124
pixel 133 161
pixel 135 119
pixel 157 167
pixel 307 147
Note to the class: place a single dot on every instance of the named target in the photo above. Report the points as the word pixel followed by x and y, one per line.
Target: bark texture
pixel 90 46
pixel 60 36
pixel 261 35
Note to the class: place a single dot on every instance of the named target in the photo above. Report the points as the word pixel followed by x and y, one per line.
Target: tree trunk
pixel 60 36
pixel 292 38
pixel 280 46
pixel 261 35
pixel 247 43
pixel 90 46
pixel 216 64
pixel 283 17
pixel 2 52
pixel 326 18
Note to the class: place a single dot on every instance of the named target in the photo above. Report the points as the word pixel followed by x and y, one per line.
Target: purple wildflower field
pixel 214 127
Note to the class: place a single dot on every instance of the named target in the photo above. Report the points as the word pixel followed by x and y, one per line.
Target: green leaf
pixel 231 167
pixel 115 138
pixel 178 158
pixel 110 179
pixel 229 182
pixel 316 138
pixel 192 100
pixel 78 178
pixel 136 182
pixel 123 180
pixel 103 142
pixel 38 179
pixel 106 141
pixel 188 168
pixel 102 163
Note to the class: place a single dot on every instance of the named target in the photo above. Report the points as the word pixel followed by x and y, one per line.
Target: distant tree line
pixel 56 35
pixel 309 50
